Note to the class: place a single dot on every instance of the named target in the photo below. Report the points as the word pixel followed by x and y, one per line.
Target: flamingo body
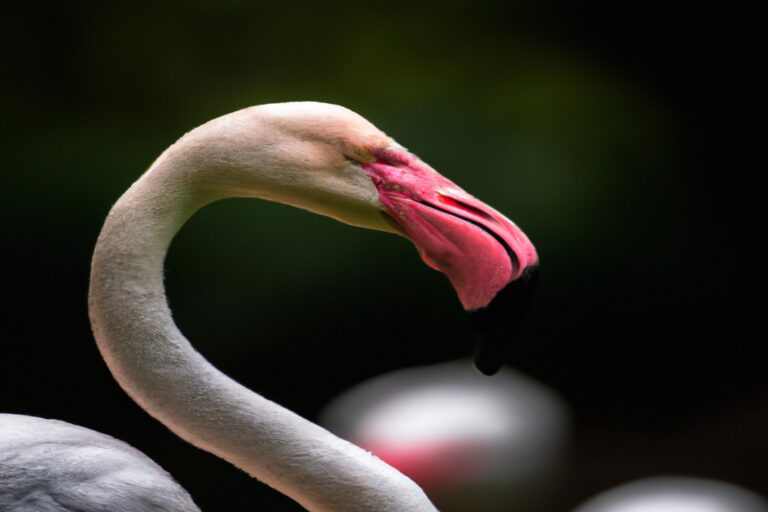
pixel 676 494
pixel 53 466
pixel 474 444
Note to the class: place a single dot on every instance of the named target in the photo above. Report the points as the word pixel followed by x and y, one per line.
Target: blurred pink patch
pixel 434 466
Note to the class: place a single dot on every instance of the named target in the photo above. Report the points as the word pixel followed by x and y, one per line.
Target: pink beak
pixel 476 247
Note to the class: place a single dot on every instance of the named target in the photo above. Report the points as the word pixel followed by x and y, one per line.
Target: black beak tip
pixel 486 362
pixel 496 325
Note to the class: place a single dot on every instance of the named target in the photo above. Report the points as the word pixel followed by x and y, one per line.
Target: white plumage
pixel 54 466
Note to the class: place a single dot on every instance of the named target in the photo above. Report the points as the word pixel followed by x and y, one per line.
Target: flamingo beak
pixel 496 325
pixel 487 258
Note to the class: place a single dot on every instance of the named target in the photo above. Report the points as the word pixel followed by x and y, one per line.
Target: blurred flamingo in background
pixel 472 443
pixel 675 494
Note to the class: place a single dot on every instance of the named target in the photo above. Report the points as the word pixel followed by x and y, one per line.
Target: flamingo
pixel 54 466
pixel 675 494
pixel 473 444
pixel 328 160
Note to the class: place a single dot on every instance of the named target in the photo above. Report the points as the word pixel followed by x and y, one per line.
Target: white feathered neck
pixel 262 152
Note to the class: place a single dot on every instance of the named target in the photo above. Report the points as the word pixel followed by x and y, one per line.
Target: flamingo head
pixel 490 262
pixel 329 160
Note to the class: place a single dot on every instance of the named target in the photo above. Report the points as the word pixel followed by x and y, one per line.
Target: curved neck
pixel 159 369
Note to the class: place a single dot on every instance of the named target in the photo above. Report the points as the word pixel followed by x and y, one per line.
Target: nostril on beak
pixel 497 325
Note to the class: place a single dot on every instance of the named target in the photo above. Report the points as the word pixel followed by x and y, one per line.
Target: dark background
pixel 626 140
